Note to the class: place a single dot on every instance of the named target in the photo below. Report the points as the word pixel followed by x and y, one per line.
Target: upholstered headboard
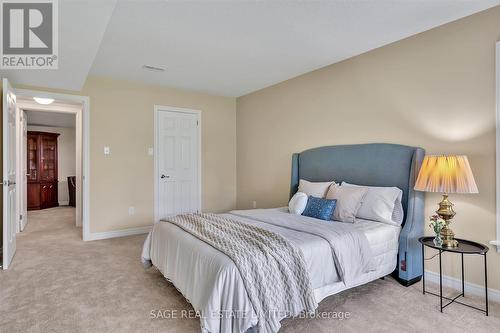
pixel 377 164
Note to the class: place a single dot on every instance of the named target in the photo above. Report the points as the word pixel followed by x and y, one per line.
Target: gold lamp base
pixel 446 212
pixel 448 237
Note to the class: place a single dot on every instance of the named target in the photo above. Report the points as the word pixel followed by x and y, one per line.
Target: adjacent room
pixel 250 166
pixel 51 167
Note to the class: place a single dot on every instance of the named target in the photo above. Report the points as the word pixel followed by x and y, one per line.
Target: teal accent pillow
pixel 320 208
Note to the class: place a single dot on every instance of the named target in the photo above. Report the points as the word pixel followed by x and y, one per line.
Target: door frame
pixel 157 110
pixel 82 141
pixel 21 165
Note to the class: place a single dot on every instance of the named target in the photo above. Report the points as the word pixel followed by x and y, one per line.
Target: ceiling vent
pixel 153 68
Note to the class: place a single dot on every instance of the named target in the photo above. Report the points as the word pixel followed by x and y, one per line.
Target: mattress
pixel 384 243
pixel 210 281
pixel 383 239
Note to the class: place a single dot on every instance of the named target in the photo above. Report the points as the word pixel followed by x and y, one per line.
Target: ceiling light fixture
pixel 43 101
pixel 153 68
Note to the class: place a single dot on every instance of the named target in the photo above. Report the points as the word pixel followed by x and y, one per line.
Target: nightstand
pixel 464 247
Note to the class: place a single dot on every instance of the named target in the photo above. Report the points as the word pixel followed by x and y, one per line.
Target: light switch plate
pixel 107 150
pixel 150 151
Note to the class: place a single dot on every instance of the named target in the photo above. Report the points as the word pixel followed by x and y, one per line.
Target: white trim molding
pixel 497 141
pixel 119 233
pixel 157 110
pixel 470 288
pixel 83 134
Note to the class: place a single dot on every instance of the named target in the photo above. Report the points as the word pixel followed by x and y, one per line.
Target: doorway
pixel 22 104
pixel 177 161
pixel 50 162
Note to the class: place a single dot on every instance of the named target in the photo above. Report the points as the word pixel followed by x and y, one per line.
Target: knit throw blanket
pixel 273 270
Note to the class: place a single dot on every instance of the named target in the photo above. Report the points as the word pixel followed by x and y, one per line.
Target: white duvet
pixel 211 282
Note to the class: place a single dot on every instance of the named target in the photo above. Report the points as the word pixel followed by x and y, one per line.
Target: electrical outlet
pixel 107 150
pixel 150 151
pixel 131 210
pixel 254 204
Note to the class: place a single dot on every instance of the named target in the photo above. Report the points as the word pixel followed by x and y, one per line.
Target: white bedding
pixel 211 282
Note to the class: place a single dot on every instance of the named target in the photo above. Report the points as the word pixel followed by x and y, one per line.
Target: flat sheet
pixel 211 282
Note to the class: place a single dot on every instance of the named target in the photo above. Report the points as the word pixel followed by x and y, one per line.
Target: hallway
pixel 51 222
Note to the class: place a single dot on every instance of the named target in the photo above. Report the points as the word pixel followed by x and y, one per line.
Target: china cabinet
pixel 42 170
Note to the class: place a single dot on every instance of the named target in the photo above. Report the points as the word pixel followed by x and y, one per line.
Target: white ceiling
pixel 52 119
pixel 230 47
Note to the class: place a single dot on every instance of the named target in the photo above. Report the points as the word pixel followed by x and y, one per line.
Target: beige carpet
pixel 58 283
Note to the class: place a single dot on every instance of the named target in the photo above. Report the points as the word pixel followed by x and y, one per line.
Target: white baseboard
pixel 63 203
pixel 118 233
pixel 470 288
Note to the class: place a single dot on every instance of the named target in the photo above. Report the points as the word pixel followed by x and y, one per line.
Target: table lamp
pixel 446 174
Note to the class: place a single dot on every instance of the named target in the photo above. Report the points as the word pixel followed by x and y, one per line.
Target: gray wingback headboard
pixel 376 164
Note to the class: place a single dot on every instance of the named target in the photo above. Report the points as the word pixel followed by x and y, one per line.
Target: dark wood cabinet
pixel 42 170
pixel 33 196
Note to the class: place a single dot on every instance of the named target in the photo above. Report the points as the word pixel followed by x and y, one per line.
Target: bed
pixel 212 283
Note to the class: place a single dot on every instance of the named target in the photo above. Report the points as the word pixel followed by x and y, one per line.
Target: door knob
pixel 164 176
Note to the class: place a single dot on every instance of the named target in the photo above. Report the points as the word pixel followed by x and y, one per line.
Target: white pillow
pixel 298 203
pixel 380 203
pixel 348 201
pixel 316 189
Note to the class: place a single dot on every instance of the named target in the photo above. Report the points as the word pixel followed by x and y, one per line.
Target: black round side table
pixel 464 247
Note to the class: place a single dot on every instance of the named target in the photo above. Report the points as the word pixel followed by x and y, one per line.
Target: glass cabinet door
pixel 32 158
pixel 48 158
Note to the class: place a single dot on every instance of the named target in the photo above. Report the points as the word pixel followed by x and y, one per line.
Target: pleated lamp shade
pixel 446 174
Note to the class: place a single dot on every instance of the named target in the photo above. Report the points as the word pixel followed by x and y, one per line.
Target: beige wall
pixel 122 117
pixel 435 90
pixel 66 157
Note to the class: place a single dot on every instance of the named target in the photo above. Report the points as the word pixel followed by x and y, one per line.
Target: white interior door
pixel 10 216
pixel 177 157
